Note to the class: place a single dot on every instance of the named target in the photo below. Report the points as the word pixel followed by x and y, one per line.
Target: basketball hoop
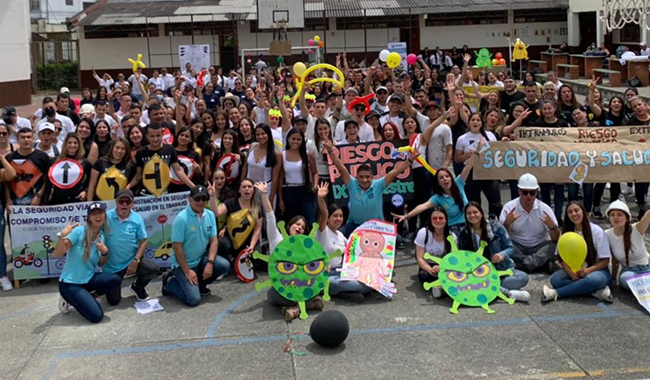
pixel 617 13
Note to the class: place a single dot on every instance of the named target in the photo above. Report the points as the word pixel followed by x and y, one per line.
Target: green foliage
pixel 53 76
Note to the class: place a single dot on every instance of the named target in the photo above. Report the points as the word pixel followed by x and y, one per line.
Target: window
pixel 69 2
pixel 121 31
pixel 35 5
pixel 311 24
pixel 540 15
pixel 445 19
pixel 349 23
pixel 206 29
pixel 630 33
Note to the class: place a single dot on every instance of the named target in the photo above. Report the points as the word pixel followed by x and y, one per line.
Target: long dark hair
pixel 317 139
pixel 455 191
pixel 586 230
pixel 270 144
pixel 468 239
pixel 302 150
pixel 87 143
pixel 417 124
pixel 186 128
pixel 431 229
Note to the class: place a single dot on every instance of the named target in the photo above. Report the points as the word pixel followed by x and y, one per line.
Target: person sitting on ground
pixel 432 239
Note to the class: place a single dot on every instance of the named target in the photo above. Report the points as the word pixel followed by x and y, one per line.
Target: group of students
pixel 237 144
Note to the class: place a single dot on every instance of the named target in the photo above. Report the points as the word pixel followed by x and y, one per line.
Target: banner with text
pixel 590 135
pixel 565 162
pixel 382 157
pixel 33 232
pixel 640 286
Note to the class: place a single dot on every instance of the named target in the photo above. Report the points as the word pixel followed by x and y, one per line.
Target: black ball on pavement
pixel 330 328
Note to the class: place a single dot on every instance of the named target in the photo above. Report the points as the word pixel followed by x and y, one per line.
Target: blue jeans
pixel 517 281
pixel 78 295
pixel 566 287
pixel 588 194
pixel 348 228
pixel 627 273
pixel 3 253
pixel 189 294
pixel 337 286
pixel 299 200
pixel 558 197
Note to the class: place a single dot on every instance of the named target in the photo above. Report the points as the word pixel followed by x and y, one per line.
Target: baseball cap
pixel 396 97
pixel 64 90
pixel 372 113
pixel 96 206
pixel 124 193
pixel 300 118
pixel 45 126
pixel 8 111
pixel 199 191
pixel 87 108
pixel 379 88
pixel 352 89
pixel 431 104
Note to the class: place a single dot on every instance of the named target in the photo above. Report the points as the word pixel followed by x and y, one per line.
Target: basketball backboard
pixel 272 14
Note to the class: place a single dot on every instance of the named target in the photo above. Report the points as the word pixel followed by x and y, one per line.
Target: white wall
pixel 15 34
pixel 56 11
pixel 577 6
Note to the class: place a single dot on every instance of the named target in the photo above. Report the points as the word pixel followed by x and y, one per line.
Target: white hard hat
pixel 621 206
pixel 527 182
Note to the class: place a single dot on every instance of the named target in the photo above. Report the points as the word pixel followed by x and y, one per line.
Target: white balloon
pixel 383 55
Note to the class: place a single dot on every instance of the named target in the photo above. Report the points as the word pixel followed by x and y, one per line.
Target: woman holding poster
pixel 626 242
pixel 432 239
pixel 69 175
pixel 593 278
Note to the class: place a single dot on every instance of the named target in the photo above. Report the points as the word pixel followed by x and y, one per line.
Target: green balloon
pixel 280 59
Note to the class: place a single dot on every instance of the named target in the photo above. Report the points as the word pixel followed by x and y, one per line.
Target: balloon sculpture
pixel 483 58
pixel 520 52
pixel 572 249
pixel 137 63
pixel 301 80
pixel 200 81
pixel 365 100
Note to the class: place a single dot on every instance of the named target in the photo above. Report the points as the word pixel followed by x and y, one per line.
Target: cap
pixel 373 113
pixel 352 89
pixel 621 206
pixel 379 88
pixel 528 182
pixel 124 193
pixel 8 111
pixel 87 108
pixel 64 90
pixel 348 122
pixel 300 118
pixel 417 104
pixel 331 95
pixel 96 206
pixel 431 104
pixel 199 191
pixel 396 97
pixel 45 126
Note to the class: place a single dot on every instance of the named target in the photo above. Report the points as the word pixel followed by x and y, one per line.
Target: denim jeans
pixel 517 281
pixel 627 273
pixel 78 295
pixel 588 194
pixel 3 253
pixel 337 286
pixel 348 228
pixel 566 287
pixel 558 197
pixel 147 271
pixel 599 190
pixel 189 294
pixel 299 200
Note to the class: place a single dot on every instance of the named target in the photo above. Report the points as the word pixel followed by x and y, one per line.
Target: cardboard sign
pixel 110 183
pixel 155 175
pixel 640 286
pixel 65 174
pixel 382 156
pixel 554 162
pixel 590 135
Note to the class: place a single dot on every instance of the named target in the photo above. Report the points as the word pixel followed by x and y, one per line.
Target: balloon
pixel 383 55
pixel 280 59
pixel 248 61
pixel 321 44
pixel 521 51
pixel 393 60
pixel 495 62
pixel 310 42
pixel 498 56
pixel 329 329
pixel 317 38
pixel 502 62
pixel 420 159
pixel 299 68
pixel 483 58
pixel 411 59
pixel 137 63
pixel 572 249
pixel 300 81
pixel 200 81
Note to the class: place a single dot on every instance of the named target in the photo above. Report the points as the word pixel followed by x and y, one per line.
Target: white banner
pixel 197 55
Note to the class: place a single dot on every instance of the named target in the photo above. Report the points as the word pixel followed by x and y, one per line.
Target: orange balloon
pixel 321 44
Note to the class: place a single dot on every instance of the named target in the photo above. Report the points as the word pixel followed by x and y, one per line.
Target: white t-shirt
pixel 437 146
pixel 51 152
pixel 331 241
pixel 135 89
pixel 638 251
pixel 321 163
pixel 469 141
pixel 159 82
pixel 366 134
pixel 601 243
pixel 432 246
pixel 66 123
pixel 528 230
pixel 104 83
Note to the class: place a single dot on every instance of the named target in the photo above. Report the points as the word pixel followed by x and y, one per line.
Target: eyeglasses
pixel 360 108
pixel 529 192
pixel 382 92
pixel 58 129
pixel 3 134
pixel 201 199
pixel 124 202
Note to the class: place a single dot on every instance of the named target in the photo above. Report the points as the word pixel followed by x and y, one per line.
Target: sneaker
pixel 315 304
pixel 290 313
pixel 627 191
pixel 221 277
pixel 409 237
pixel 205 291
pixel 6 284
pixel 64 306
pixel 548 294
pixel 401 245
pixel 596 213
pixel 140 293
pixel 520 295
pixel 436 291
pixel 352 297
pixel 165 279
pixel 604 294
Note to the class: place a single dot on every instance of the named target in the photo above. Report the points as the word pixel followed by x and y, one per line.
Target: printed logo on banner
pixel 27 174
pixel 65 174
pixel 188 166
pixel 110 183
pixel 155 176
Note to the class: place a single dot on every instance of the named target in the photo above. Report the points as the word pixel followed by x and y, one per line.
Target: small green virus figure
pixel 298 268
pixel 483 58
pixel 468 278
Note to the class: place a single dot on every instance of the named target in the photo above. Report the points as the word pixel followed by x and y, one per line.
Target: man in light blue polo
pixel 195 263
pixel 126 239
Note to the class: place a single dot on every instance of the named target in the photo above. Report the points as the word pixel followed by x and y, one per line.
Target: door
pixel 227 53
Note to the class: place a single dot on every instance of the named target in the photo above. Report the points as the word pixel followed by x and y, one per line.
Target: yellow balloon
pixel 299 68
pixel 300 82
pixel 421 160
pixel 317 38
pixel 137 63
pixel 393 60
pixel 572 249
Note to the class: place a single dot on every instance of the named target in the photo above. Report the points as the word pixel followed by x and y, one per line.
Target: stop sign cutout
pixel 162 219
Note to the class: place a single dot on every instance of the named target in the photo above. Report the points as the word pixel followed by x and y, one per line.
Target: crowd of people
pixel 244 153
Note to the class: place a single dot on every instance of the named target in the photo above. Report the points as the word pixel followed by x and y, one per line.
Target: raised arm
pixel 426 135
pixel 517 123
pixel 368 84
pixel 591 98
pixel 400 167
pixel 323 188
pixel 345 175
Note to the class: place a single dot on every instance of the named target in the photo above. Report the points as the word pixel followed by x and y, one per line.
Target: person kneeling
pixel 85 249
pixel 195 263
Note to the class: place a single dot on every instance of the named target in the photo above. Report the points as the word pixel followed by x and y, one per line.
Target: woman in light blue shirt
pixel 84 249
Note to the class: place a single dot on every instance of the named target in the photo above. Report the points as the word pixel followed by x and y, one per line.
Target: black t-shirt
pixel 559 123
pixel 196 178
pixel 457 130
pixel 566 113
pixel 72 115
pixel 609 119
pixel 232 205
pixel 144 155
pixel 507 99
pixel 55 195
pixel 635 121
pixel 30 172
pixel 103 147
pixel 535 113
pixel 125 168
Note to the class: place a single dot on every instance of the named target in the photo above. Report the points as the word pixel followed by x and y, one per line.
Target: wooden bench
pixel 532 63
pixel 578 59
pixel 614 76
pixel 563 69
